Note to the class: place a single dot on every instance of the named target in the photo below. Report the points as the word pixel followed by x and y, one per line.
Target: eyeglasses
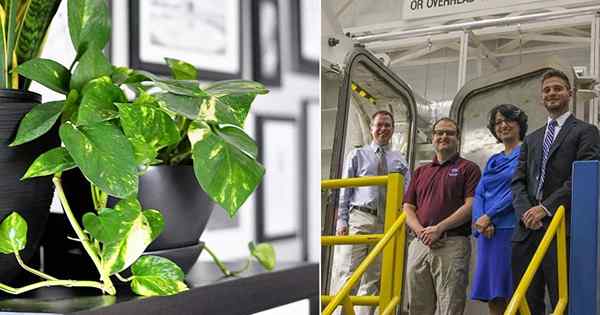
pixel 441 132
pixel 500 121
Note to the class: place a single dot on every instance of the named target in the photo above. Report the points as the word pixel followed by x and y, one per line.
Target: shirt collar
pixel 560 119
pixel 374 146
pixel 450 160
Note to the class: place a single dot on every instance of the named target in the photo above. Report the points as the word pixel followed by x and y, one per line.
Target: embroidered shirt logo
pixel 453 172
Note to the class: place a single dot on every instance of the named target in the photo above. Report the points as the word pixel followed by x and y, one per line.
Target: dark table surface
pixel 209 293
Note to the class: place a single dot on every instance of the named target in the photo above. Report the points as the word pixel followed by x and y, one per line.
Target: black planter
pixel 174 191
pixel 31 198
pixel 186 208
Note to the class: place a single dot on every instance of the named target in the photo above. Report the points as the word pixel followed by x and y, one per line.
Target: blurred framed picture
pixel 266 52
pixel 310 174
pixel 306 32
pixel 206 34
pixel 277 197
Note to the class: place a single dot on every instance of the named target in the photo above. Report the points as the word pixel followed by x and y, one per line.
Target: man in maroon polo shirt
pixel 438 211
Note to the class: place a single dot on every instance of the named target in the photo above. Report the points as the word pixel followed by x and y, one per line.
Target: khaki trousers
pixel 350 257
pixel 437 278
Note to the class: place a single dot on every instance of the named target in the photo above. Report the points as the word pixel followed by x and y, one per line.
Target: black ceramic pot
pixel 186 208
pixel 174 191
pixel 31 198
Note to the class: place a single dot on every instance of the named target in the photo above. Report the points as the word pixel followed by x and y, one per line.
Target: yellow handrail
pixel 393 253
pixel 557 227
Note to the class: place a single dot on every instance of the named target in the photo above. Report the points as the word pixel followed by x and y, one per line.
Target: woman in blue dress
pixel 493 213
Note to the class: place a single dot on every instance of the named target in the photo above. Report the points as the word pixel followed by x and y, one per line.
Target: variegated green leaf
pixel 50 162
pixel 97 101
pixel 237 95
pixel 110 225
pixel 48 73
pixel 89 24
pixel 13 233
pixel 182 70
pixel 38 121
pixel 225 172
pixel 149 129
pixel 238 137
pixel 93 64
pixel 153 275
pixel 104 155
pixel 264 253
pixel 156 221
pixel 117 256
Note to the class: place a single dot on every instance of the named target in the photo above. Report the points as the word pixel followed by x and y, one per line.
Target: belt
pixel 444 235
pixel 453 233
pixel 367 210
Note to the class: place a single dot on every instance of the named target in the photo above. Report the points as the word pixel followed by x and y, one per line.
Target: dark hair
pixel 446 119
pixel 512 113
pixel 556 73
pixel 382 112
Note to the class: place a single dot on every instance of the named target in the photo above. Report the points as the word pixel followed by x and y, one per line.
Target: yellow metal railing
pixel 557 227
pixel 390 244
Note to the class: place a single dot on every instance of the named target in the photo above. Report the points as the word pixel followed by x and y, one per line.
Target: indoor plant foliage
pixel 113 138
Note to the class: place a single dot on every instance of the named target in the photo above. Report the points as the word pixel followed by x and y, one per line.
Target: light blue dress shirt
pixel 361 162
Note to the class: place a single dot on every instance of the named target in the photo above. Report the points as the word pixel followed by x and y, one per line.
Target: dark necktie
pixel 548 139
pixel 381 170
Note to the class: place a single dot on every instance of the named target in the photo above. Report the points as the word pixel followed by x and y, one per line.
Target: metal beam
pixel 485 52
pixel 483 34
pixel 462 60
pixel 572 31
pixel 547 16
pixel 595 65
pixel 557 38
pixel 343 8
pixel 416 53
pixel 453 59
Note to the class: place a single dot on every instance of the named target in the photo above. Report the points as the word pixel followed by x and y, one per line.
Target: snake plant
pixel 25 24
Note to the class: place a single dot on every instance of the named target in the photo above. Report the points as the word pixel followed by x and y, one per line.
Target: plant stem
pixel 50 283
pixel 122 279
pixel 218 262
pixel 33 271
pixel 180 157
pixel 99 197
pixel 237 272
pixel 108 286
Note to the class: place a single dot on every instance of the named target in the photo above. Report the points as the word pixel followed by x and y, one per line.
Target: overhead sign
pixel 419 9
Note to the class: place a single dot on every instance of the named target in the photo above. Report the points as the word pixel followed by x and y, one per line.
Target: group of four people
pixel 507 208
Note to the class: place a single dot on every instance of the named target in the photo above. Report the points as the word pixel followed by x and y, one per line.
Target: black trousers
pixel 546 275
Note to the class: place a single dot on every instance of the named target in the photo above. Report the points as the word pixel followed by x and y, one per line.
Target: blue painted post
pixel 584 272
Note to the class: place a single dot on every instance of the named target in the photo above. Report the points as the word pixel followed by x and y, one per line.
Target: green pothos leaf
pixel 264 253
pixel 38 121
pixel 117 256
pixel 153 275
pixel 182 70
pixel 97 101
pixel 104 156
pixel 149 129
pixel 50 162
pixel 13 233
pixel 226 173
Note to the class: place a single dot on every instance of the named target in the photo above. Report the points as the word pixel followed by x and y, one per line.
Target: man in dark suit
pixel 542 183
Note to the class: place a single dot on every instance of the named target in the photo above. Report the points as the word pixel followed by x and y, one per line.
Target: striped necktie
pixel 381 170
pixel 548 139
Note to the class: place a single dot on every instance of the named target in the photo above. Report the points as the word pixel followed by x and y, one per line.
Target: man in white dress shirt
pixel 361 209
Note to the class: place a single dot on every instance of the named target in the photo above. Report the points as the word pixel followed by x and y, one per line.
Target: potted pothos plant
pixel 23 28
pixel 114 124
